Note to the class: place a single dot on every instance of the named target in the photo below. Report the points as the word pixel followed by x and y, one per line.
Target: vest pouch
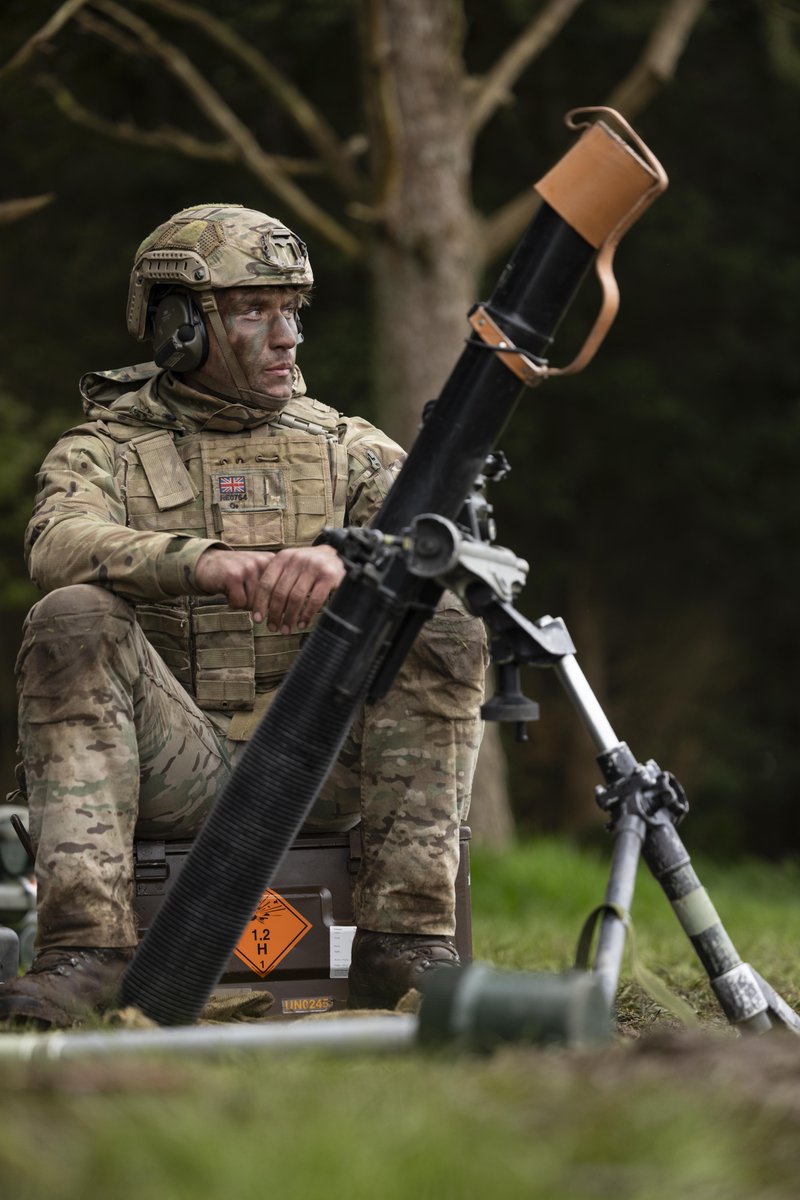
pixel 160 494
pixel 247 508
pixel 167 629
pixel 224 657
pixel 275 653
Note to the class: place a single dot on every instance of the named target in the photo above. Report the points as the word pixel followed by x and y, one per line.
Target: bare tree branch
pixel 165 138
pixel 780 25
pixel 658 62
pixel 89 22
pixel 261 165
pixel 15 210
pixel 42 36
pixel 319 133
pixel 383 113
pixel 495 87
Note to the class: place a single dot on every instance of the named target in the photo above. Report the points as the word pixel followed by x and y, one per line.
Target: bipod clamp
pixel 487 578
pixel 378 560
pixel 437 549
pixel 364 551
pixel 641 789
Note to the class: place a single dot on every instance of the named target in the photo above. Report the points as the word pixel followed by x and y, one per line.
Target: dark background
pixel 655 496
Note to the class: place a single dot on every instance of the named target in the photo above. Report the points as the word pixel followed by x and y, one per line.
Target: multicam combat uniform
pixel 136 693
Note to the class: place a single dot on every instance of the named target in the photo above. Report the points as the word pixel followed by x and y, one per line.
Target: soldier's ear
pixel 180 340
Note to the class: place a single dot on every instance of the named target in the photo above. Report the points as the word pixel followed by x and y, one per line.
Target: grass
pixel 658 1113
pixel 529 906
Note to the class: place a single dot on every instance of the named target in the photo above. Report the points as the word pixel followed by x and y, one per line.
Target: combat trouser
pixel 113 747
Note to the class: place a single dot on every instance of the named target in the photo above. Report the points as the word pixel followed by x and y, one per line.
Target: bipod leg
pixel 746 999
pixel 629 829
pixel 608 955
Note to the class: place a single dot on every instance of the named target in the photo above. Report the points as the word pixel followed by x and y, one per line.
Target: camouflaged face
pixel 215 246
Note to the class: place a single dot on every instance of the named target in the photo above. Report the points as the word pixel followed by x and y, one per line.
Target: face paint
pixel 261 323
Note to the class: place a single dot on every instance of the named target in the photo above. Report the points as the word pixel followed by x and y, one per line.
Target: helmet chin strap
pixel 242 388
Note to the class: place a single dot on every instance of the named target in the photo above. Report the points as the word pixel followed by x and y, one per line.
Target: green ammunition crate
pixel 298 944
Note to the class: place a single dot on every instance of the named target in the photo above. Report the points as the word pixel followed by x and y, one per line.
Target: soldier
pixel 209 473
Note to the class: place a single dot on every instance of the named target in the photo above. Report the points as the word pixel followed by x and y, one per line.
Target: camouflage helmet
pixel 213 246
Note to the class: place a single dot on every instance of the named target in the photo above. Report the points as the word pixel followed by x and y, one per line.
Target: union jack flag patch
pixel 233 486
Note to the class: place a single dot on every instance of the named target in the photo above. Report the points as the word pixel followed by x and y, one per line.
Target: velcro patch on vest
pixel 232 486
pixel 170 482
pixel 253 490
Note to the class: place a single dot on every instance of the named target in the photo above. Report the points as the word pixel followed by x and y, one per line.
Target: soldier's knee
pixel 445 669
pixel 69 628
pixel 79 600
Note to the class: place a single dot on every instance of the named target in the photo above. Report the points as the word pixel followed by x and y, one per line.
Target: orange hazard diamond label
pixel 275 929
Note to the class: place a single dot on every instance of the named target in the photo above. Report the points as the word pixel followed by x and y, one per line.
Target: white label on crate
pixel 341 949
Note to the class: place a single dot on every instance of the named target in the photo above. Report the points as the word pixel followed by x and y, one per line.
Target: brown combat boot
pixel 64 986
pixel 385 966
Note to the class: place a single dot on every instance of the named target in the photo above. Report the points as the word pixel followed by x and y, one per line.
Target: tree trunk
pixel 423 257
pixel 490 817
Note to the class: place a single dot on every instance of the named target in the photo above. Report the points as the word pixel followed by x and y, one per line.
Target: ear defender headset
pixel 180 341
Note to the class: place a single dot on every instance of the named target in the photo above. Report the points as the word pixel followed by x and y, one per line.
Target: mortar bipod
pixel 643 802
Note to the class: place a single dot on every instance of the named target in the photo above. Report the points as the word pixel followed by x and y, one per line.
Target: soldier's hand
pixel 286 589
pixel 295 586
pixel 237 573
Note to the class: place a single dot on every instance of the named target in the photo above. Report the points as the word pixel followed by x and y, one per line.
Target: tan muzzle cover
pixel 600 187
